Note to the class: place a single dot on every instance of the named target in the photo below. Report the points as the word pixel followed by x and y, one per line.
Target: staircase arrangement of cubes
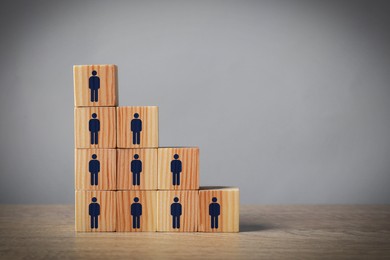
pixel 124 181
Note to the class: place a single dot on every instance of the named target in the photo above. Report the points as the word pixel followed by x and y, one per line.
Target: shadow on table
pixel 253 227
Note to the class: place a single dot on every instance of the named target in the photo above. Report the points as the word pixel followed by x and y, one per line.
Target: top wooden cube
pixel 95 85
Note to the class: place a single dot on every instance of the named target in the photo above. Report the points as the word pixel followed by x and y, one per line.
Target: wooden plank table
pixel 268 232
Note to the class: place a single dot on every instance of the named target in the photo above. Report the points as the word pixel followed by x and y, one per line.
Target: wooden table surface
pixel 268 232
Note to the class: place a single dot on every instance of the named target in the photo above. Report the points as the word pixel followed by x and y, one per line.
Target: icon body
pixel 176 212
pixel 136 213
pixel 94 85
pixel 214 212
pixel 94 169
pixel 94 213
pixel 136 128
pixel 176 169
pixel 136 169
pixel 94 128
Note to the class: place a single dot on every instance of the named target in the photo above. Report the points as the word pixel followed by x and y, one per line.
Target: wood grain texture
pixel 108 92
pixel 107 218
pixel 149 133
pixel 190 206
pixel 266 232
pixel 148 219
pixel 107 133
pixel 228 199
pixel 107 174
pixel 189 177
pixel 148 176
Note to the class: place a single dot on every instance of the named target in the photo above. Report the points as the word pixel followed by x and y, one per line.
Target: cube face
pixel 137 169
pixel 219 209
pixel 178 168
pixel 137 127
pixel 95 127
pixel 95 169
pixel 136 211
pixel 95 90
pixel 95 211
pixel 177 211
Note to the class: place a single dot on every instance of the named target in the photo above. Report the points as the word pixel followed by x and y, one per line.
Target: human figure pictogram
pixel 94 169
pixel 136 213
pixel 136 169
pixel 176 169
pixel 94 213
pixel 214 212
pixel 176 212
pixel 136 128
pixel 94 128
pixel 94 85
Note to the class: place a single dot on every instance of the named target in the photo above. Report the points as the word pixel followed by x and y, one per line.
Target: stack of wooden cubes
pixel 124 181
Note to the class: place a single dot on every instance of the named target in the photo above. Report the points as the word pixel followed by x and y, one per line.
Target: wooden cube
pixel 178 168
pixel 137 127
pixel 177 211
pixel 95 127
pixel 219 209
pixel 95 85
pixel 136 211
pixel 95 169
pixel 95 211
pixel 137 169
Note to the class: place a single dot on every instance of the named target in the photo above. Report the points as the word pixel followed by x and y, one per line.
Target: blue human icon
pixel 94 85
pixel 136 213
pixel 136 128
pixel 94 169
pixel 214 212
pixel 176 169
pixel 94 128
pixel 94 212
pixel 176 212
pixel 136 169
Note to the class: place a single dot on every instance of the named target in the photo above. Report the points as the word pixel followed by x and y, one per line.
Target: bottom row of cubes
pixel 211 209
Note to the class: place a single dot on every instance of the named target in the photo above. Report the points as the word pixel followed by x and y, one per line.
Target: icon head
pixel 136 115
pixel 94 72
pixel 94 156
pixel 214 199
pixel 136 199
pixel 176 156
pixel 94 115
pixel 176 199
pixel 136 156
pixel 94 199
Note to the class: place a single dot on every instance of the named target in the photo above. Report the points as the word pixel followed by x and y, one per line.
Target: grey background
pixel 289 100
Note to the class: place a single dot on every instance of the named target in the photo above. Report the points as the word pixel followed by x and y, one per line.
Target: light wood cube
pixel 95 85
pixel 95 211
pixel 137 169
pixel 178 168
pixel 136 211
pixel 137 127
pixel 95 127
pixel 95 169
pixel 177 211
pixel 219 209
